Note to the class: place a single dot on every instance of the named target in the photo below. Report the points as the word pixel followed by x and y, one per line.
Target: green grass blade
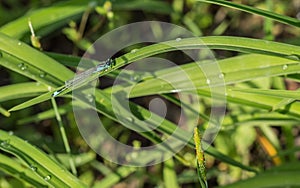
pixel 17 170
pixel 34 58
pixel 64 136
pixel 16 91
pixel 269 179
pixel 52 173
pixel 34 101
pixel 233 70
pixel 252 10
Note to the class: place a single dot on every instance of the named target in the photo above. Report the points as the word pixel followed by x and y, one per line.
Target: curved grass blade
pixel 17 170
pixel 34 58
pixel 228 43
pixel 52 173
pixel 16 91
pixel 252 10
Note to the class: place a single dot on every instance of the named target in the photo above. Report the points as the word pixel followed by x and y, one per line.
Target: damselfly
pixel 82 77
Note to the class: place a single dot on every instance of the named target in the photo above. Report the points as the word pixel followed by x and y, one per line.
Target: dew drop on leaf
pixel 33 168
pixel 284 67
pixel 208 81
pixel 5 143
pixel 47 178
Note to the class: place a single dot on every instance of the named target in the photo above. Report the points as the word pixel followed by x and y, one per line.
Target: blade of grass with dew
pixel 147 53
pixel 114 177
pixel 64 136
pixel 29 71
pixel 59 13
pixel 229 43
pixel 14 168
pixel 274 16
pixel 169 174
pixel 34 58
pixel 233 70
pixel 52 173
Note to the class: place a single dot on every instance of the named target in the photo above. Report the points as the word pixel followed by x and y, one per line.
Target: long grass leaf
pixel 253 10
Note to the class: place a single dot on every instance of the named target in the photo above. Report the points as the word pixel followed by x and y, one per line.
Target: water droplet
pixel 47 178
pixel 221 76
pixel 208 81
pixel 134 155
pixel 284 67
pixel 19 43
pixel 133 51
pixel 22 66
pixel 42 74
pixel 10 133
pixel 135 77
pixel 90 97
pixel 33 168
pixel 178 39
pixel 130 119
pixel 5 143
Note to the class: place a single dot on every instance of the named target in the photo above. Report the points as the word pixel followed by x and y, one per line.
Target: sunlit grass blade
pixel 253 10
pixel 52 173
